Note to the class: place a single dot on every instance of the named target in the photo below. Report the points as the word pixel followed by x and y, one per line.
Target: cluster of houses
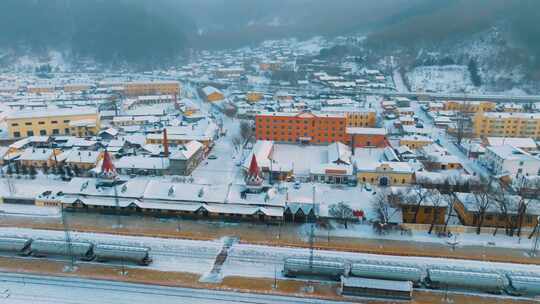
pixel 316 141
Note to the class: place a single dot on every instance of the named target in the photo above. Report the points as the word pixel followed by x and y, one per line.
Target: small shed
pixel 363 287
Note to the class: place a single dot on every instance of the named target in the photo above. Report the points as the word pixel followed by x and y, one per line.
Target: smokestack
pixel 165 144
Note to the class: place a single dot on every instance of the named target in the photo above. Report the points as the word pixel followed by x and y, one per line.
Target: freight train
pixel 432 277
pixel 85 251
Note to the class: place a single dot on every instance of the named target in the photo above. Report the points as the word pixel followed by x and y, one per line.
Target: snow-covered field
pixel 487 240
pixel 441 79
pixel 24 288
pixel 168 254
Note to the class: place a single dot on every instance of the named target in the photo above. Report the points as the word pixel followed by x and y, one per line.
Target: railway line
pixel 264 261
pixel 23 288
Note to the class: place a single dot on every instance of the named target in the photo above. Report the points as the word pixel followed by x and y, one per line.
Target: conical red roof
pixel 254 177
pixel 253 167
pixel 107 167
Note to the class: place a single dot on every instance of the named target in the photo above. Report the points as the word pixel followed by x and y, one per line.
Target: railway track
pixel 22 287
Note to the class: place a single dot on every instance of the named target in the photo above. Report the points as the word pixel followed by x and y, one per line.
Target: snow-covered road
pixel 445 141
pixel 23 288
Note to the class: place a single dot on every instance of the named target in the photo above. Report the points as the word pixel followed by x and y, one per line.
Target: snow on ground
pixel 300 158
pixel 26 288
pixel 442 79
pixel 29 210
pixel 169 254
pixel 365 231
pixel 470 165
pixel 399 83
pixel 312 46
pixel 263 256
pixel 254 260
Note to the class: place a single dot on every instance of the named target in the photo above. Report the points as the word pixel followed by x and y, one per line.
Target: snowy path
pixel 23 288
pixel 445 141
pixel 399 83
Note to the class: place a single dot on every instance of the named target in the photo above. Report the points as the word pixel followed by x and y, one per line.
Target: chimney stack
pixel 165 144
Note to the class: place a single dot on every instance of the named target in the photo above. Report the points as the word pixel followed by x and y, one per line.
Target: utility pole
pixel 71 266
pixel 312 232
pixel 535 243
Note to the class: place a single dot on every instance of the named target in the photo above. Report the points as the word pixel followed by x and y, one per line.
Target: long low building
pixel 507 124
pixel 79 121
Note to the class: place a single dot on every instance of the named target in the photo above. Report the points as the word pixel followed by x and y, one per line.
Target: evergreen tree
pixel 473 70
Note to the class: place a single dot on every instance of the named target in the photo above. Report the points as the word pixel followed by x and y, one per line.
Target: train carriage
pixel 316 267
pixel 524 285
pixel 139 255
pixel 387 272
pixel 485 281
pixel 43 248
pixel 17 245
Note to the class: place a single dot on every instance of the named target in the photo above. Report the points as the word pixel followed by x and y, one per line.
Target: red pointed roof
pixel 254 177
pixel 253 167
pixel 107 166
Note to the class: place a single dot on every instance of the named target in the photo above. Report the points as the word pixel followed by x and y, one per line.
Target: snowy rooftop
pixel 366 131
pixel 51 112
pixel 508 152
pixel 519 142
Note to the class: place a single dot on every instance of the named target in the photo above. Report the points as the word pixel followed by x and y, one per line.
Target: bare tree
pixel 463 124
pixel 246 130
pixel 503 204
pixel 383 206
pixel 415 196
pixel 341 211
pixel 450 199
pixel 436 200
pixel 527 191
pixel 482 201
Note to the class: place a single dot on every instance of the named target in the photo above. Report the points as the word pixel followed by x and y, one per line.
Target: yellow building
pixel 212 94
pixel 466 208
pixel 469 106
pixel 385 173
pixel 48 199
pixel 38 89
pixel 178 139
pixel 356 118
pixel 77 87
pixel 427 213
pixel 414 142
pixel 38 157
pixel 507 124
pixel 141 88
pixel 254 96
pixel 75 121
pixel 361 119
pixel 84 160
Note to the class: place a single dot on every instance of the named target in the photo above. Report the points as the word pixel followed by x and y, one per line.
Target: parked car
pixel 212 157
pixel 367 186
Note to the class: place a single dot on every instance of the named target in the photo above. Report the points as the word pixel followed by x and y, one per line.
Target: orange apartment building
pixel 368 137
pixel 303 127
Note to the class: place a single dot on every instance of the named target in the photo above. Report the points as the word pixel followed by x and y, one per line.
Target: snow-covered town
pixel 267 174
